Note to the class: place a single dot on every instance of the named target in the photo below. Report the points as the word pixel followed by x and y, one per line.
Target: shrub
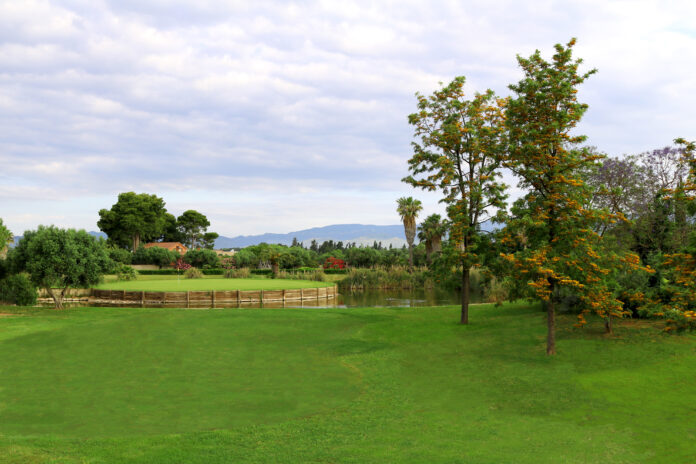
pixel 266 272
pixel 334 263
pixel 242 273
pixel 202 258
pixel 154 255
pixel 193 273
pixel 17 289
pixel 124 272
pixel 120 255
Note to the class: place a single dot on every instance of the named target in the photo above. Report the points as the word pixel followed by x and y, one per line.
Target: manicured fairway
pixel 111 385
pixel 173 285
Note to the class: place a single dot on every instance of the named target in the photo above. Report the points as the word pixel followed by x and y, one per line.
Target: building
pixel 171 246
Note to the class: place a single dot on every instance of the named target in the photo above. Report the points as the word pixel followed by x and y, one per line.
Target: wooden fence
pixel 209 299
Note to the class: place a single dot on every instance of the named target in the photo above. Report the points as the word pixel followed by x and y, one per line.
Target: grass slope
pixel 327 385
pixel 172 284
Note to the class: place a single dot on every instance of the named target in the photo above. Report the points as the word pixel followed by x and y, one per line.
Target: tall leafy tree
pixel 459 154
pixel 134 218
pixel 408 208
pixel 557 247
pixel 6 238
pixel 192 225
pixel 57 259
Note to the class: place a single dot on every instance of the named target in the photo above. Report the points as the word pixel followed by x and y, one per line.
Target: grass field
pixel 111 385
pixel 172 284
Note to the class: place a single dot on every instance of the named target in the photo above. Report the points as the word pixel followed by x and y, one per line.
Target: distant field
pixel 365 385
pixel 171 284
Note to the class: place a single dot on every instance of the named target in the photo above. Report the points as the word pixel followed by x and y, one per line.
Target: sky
pixel 281 116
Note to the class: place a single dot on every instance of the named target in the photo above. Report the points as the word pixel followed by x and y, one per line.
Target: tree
pixel 192 225
pixel 60 258
pixel 408 209
pixel 431 231
pixel 557 248
pixel 202 258
pixel 6 239
pixel 132 219
pixel 171 231
pixel 459 154
pixel 208 240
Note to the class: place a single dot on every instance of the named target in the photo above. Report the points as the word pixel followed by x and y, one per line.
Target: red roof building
pixel 171 246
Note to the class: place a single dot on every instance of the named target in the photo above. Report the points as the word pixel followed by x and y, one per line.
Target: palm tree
pixel 408 209
pixel 431 232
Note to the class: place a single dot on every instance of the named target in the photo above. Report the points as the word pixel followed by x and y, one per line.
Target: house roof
pixel 172 246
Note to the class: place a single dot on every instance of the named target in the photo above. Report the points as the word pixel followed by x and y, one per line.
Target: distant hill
pixel 359 233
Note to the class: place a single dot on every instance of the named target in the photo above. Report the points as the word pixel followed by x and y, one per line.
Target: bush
pixel 242 273
pixel 158 272
pixel 120 255
pixel 266 272
pixel 124 272
pixel 17 289
pixel 154 255
pixel 202 258
pixel 193 273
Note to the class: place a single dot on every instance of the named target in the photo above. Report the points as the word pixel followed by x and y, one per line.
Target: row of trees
pixel 137 218
pixel 585 227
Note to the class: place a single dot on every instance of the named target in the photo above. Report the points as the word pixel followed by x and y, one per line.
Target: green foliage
pixel 133 219
pixel 241 273
pixel 192 225
pixel 6 239
pixel 154 255
pixel 264 272
pixel 202 258
pixel 193 273
pixel 17 289
pixel 61 258
pixel 125 273
pixel 208 240
pixel 408 208
pixel 385 278
pixel 120 255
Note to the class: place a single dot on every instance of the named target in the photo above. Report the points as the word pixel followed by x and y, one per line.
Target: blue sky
pixel 279 116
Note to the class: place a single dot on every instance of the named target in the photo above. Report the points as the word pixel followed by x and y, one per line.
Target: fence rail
pixel 209 299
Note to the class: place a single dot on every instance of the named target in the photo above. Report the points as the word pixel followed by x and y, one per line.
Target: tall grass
pixel 316 275
pixel 386 278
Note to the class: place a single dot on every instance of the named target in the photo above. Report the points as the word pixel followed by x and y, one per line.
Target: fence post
pixel 188 298
pixel 142 299
pixel 213 298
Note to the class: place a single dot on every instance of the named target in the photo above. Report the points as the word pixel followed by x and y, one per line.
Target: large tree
pixel 459 154
pixel 6 238
pixel 59 259
pixel 558 250
pixel 408 208
pixel 193 226
pixel 133 218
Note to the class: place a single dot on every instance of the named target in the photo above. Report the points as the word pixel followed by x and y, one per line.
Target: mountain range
pixel 361 234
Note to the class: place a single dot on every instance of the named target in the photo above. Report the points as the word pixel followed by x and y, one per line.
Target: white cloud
pixel 246 100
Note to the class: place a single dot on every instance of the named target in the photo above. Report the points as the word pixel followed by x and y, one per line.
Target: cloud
pixel 303 104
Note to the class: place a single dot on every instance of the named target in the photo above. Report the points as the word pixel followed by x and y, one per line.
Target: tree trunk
pixel 551 323
pixel 410 256
pixel 465 296
pixel 608 324
pixel 136 242
pixel 57 297
pixel 274 267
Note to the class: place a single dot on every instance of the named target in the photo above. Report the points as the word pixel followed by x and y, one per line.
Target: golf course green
pixel 116 385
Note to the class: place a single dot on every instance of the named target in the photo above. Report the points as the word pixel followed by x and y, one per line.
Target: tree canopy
pixel 61 258
pixel 133 219
pixel 459 154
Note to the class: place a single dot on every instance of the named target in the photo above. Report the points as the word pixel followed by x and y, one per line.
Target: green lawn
pixel 172 284
pixel 112 385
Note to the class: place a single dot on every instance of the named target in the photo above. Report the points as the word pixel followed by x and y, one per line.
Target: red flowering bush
pixel 180 265
pixel 334 263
